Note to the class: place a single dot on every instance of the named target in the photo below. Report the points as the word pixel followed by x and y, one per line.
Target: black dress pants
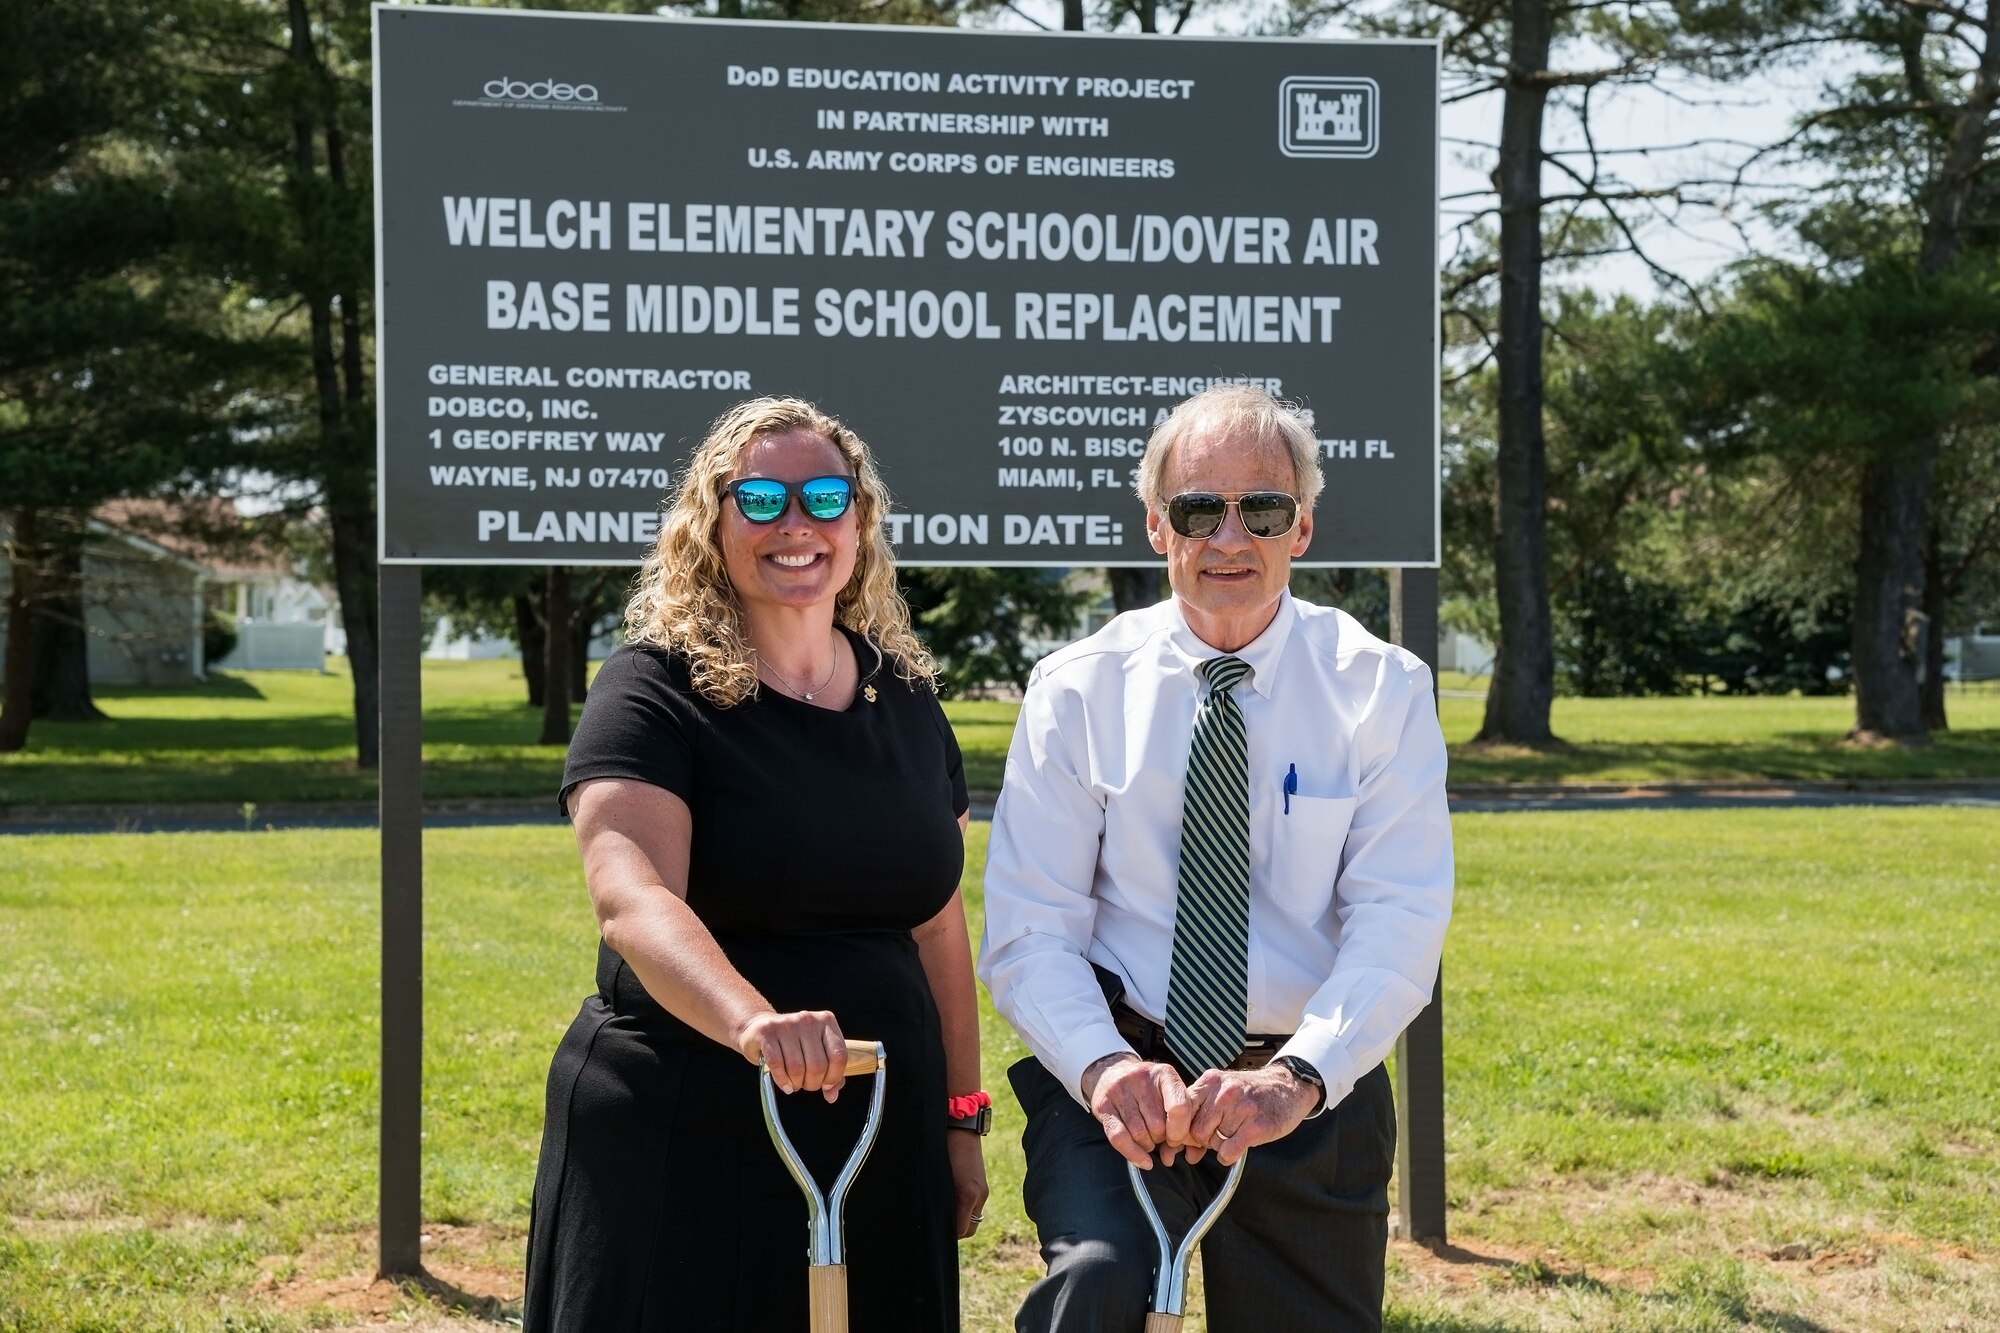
pixel 1300 1249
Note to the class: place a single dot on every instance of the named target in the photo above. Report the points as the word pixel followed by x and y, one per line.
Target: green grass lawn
pixel 1676 1044
pixel 1722 739
pixel 289 736
pixel 281 736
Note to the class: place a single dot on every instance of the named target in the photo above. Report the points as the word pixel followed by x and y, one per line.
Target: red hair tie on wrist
pixel 968 1106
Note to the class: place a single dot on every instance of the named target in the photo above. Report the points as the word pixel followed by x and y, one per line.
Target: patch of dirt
pixel 1901 1288
pixel 1478 1263
pixel 1584 1198
pixel 1935 1249
pixel 1817 1260
pixel 1841 1270
pixel 1860 739
pixel 460 1275
pixel 1835 1260
pixel 1456 1265
pixel 1016 1254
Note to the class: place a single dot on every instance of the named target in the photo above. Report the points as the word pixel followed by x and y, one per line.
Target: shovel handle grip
pixel 860 1057
pixel 826 1292
pixel 1163 1323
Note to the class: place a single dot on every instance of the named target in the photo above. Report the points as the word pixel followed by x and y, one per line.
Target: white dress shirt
pixel 1350 889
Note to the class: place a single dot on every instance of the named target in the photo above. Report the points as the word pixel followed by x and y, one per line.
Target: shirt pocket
pixel 1305 853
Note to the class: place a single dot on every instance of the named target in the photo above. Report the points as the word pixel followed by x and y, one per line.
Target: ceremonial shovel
pixel 827 1278
pixel 1170 1279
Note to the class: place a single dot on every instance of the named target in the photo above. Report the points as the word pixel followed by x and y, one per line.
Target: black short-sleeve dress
pixel 821 839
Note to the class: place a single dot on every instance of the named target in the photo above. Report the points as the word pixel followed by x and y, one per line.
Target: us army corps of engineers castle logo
pixel 1329 117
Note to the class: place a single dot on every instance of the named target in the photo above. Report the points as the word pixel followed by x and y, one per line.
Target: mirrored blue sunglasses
pixel 764 499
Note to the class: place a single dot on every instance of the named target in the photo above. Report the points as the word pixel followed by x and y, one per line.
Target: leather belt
pixel 1149 1039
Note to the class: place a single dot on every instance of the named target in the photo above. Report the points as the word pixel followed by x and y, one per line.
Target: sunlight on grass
pixel 1675 1043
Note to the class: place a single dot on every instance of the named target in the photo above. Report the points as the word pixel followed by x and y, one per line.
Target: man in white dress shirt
pixel 1305 855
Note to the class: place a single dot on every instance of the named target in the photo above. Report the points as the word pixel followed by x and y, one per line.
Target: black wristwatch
pixel 1307 1074
pixel 979 1122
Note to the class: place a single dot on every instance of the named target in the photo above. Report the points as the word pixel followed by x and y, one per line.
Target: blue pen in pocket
pixel 1291 786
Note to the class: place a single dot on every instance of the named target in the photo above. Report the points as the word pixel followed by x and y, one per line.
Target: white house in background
pixel 1973 655
pixel 143 607
pixel 1459 651
pixel 283 623
pixel 450 644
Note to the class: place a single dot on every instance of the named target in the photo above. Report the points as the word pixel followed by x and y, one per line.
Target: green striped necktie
pixel 1208 985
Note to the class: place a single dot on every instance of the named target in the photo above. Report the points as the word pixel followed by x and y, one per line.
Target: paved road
pixel 1483 799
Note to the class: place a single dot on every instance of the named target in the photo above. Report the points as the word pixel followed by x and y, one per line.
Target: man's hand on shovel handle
pixel 1237 1111
pixel 1143 1107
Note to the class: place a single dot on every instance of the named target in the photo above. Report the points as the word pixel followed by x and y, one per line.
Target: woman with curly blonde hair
pixel 770 808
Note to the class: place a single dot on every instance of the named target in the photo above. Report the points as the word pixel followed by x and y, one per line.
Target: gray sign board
pixel 1000 258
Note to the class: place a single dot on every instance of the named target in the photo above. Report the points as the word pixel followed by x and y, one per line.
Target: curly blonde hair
pixel 683 600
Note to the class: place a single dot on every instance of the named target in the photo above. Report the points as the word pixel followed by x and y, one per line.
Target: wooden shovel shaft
pixel 1163 1323
pixel 827 1292
pixel 860 1057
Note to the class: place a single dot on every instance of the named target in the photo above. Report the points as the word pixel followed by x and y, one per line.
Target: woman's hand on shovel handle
pixel 968 1179
pixel 803 1050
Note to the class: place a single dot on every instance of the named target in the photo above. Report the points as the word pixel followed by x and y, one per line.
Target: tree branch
pixel 1617 220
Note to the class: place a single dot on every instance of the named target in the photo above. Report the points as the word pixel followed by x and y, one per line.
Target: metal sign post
pixel 1413 623
pixel 402 821
pixel 1001 257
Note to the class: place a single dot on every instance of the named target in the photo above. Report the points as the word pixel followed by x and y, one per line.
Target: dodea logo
pixel 542 90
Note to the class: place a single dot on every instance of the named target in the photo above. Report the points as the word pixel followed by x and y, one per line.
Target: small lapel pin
pixel 868 693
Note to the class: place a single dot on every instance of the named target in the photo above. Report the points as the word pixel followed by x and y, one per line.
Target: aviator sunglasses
pixel 764 500
pixel 1198 515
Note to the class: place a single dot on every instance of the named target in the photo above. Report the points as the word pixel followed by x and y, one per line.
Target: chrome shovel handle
pixel 825 1214
pixel 1170 1279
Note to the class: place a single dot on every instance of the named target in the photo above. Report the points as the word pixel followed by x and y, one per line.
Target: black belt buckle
pixel 1149 1039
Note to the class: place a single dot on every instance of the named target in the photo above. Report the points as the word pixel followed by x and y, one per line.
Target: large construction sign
pixel 999 258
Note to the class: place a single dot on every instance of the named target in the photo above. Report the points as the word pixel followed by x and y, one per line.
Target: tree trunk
pixel 346 459
pixel 61 672
pixel 555 662
pixel 528 634
pixel 17 700
pixel 354 581
pixel 353 378
pixel 1135 589
pixel 579 653
pixel 1937 592
pixel 1888 601
pixel 1892 625
pixel 1523 687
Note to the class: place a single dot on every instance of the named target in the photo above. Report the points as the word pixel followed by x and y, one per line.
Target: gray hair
pixel 1234 409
